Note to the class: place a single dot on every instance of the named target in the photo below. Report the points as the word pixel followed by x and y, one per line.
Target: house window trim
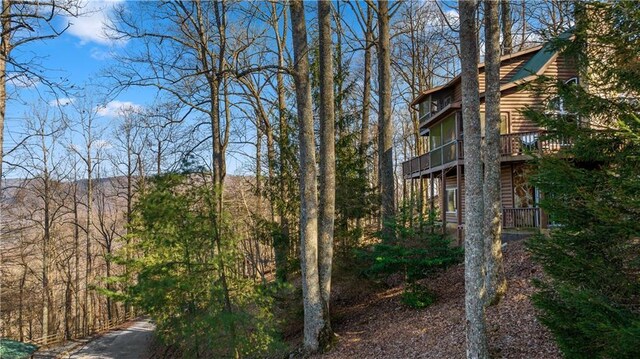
pixel 455 200
pixel 505 126
pixel 559 109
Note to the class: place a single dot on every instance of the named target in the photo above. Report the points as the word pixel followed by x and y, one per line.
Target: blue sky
pixel 80 53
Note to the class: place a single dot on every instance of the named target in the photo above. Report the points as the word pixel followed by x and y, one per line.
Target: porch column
pixel 459 202
pixel 431 193
pixel 443 201
pixel 544 218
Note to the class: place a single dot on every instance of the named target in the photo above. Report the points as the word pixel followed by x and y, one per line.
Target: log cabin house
pixel 440 121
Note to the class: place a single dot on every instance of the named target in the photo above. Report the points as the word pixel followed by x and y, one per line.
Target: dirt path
pixel 128 343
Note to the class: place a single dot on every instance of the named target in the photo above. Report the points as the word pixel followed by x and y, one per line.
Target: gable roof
pixel 537 63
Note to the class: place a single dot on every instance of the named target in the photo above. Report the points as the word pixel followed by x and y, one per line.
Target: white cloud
pixel 22 80
pixel 115 108
pixel 63 101
pixel 91 26
pixel 99 54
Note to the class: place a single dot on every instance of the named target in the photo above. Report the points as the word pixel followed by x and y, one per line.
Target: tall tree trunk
pixel 88 308
pixel 311 297
pixel 68 297
pixel 327 164
pixel 507 24
pixel 366 99
pixel 495 282
pixel 385 129
pixel 23 280
pixel 474 243
pixel 5 49
pixel 282 242
pixel 76 243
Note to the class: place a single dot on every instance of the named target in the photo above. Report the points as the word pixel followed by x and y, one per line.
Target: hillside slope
pixel 382 327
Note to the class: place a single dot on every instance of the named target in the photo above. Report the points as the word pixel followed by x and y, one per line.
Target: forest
pixel 250 177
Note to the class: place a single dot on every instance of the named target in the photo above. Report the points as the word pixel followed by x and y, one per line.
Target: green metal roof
pixel 11 349
pixel 537 61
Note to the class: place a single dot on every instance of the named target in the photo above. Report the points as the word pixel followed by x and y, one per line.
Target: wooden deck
pixel 513 147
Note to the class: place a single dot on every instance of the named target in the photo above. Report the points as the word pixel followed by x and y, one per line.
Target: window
pixel 452 200
pixel 504 123
pixel 572 81
pixel 423 109
pixel 442 142
pixel 556 104
pixel 446 102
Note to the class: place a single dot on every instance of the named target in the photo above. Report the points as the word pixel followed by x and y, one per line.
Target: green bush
pixel 416 248
pixel 417 296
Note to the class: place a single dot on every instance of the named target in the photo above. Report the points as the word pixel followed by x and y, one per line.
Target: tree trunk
pixel 281 245
pixel 327 165
pixel 507 24
pixel 88 307
pixel 23 280
pixel 5 49
pixel 76 241
pixel 474 244
pixel 495 282
pixel 385 129
pixel 311 297
pixel 366 100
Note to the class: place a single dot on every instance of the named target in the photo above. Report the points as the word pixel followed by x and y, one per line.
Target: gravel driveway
pixel 129 343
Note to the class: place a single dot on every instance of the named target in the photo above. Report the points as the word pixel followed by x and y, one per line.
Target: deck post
pixel 459 202
pixel 443 201
pixel 431 200
pixel 544 218
pixel 420 196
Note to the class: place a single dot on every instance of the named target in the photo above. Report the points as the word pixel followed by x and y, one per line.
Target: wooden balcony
pixel 526 143
pixel 513 147
pixel 521 217
pixel 415 166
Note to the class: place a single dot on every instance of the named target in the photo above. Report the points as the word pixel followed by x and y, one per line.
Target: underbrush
pixel 413 248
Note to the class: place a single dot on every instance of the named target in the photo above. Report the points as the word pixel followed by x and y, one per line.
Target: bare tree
pixel 506 26
pixel 327 161
pixel 473 178
pixel 385 126
pixel 39 160
pixel 24 22
pixel 311 295
pixel 85 119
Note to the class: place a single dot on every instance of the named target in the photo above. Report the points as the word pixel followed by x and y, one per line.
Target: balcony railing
pixel 520 217
pixel 416 165
pixel 515 144
pixel 511 145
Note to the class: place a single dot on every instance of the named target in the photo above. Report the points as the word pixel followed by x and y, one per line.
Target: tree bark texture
pixel 327 163
pixel 385 132
pixel 507 24
pixel 311 297
pixel 474 243
pixel 495 282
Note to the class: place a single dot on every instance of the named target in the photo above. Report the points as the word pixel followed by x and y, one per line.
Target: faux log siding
pixel 505 186
pixel 457 92
pixel 507 69
pixel 516 99
pixel 505 191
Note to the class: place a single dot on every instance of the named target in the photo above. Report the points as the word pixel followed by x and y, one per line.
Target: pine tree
pixel 590 295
